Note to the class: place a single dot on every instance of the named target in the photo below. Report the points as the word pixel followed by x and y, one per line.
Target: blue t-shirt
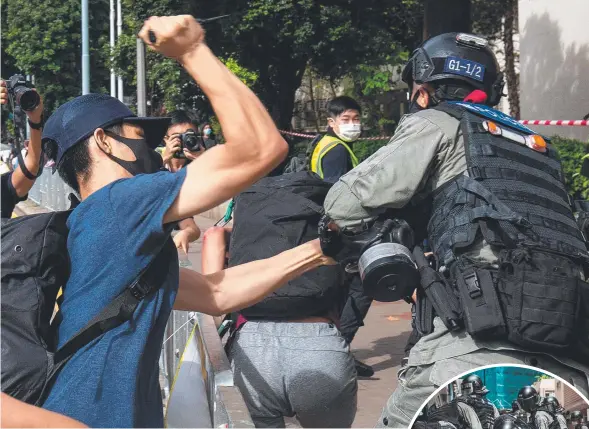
pixel 114 234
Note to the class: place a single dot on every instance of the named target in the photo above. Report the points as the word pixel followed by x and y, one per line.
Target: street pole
pixel 113 78
pixel 119 33
pixel 85 50
pixel 141 87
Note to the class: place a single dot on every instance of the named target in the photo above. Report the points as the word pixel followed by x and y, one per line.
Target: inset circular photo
pixel 504 397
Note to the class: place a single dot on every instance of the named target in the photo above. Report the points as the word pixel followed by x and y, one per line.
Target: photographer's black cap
pixel 77 119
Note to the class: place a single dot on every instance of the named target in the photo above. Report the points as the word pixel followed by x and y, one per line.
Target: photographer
pixel 17 184
pixel 182 147
pixel 183 143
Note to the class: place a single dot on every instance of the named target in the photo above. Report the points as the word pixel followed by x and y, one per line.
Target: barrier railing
pixel 209 398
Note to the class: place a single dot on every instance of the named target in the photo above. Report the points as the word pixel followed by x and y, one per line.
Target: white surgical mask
pixel 349 132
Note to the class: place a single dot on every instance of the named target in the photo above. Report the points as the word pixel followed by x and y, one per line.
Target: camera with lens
pixel 382 254
pixel 189 140
pixel 21 93
pixel 386 264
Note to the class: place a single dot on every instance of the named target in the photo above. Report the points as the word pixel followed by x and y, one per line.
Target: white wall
pixel 554 62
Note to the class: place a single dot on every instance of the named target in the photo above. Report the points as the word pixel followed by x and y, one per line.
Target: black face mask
pixel 147 160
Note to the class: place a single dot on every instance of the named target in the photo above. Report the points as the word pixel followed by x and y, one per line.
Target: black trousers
pixel 355 309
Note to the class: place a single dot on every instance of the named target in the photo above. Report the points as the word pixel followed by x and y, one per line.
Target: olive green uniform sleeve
pixel 469 415
pixel 393 175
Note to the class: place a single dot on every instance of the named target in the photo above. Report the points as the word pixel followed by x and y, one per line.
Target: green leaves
pixel 571 154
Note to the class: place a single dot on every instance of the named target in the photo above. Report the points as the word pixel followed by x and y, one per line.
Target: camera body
pixel 21 93
pixel 189 140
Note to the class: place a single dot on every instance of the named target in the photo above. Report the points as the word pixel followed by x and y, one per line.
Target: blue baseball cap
pixel 77 119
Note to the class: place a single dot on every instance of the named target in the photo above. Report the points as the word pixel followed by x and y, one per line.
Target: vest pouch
pixel 539 293
pixel 582 346
pixel 483 318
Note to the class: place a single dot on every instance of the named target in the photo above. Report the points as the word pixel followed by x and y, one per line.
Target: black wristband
pixel 37 126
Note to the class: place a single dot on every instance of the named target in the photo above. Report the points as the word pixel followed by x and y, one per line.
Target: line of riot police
pixel 470 409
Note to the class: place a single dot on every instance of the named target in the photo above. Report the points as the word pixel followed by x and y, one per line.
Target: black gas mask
pixel 380 253
pixel 146 161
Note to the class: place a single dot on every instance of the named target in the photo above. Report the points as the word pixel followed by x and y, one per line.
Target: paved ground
pixel 379 343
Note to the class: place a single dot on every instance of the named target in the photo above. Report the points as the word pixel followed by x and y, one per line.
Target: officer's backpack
pixel 278 214
pixel 35 265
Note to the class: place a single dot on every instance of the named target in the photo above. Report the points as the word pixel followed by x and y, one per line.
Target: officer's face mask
pixel 146 161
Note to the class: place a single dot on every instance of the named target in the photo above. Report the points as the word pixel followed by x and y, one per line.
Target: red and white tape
pixel 312 136
pixel 577 123
pixel 560 123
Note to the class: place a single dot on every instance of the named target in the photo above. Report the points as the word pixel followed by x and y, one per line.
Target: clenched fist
pixel 3 93
pixel 175 36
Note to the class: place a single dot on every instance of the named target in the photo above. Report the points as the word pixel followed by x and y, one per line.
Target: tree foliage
pixel 43 39
pixel 268 43
pixel 571 153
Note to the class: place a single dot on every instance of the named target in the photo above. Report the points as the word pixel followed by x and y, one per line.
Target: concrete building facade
pixel 554 63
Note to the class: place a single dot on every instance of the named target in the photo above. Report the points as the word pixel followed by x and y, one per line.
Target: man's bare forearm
pixel 17 414
pixel 239 287
pixel 241 114
pixel 32 161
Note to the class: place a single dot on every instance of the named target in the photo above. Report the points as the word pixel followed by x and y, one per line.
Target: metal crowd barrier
pixel 223 401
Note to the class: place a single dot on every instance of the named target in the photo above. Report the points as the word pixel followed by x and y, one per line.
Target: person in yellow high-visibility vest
pixel 332 156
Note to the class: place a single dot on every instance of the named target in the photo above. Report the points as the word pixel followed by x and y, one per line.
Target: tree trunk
pixel 511 76
pixel 312 98
pixel 280 96
pixel 444 16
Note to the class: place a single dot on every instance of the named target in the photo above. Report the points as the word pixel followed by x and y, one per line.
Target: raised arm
pixel 239 287
pixel 21 183
pixel 254 145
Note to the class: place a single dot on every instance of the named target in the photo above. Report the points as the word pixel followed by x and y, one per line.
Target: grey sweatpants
pixel 288 369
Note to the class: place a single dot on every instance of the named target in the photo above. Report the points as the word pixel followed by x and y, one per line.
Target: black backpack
pixel 35 265
pixel 278 214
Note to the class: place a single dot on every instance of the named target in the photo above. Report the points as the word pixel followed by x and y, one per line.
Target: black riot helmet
pixel 528 399
pixel 577 416
pixel 508 421
pixel 515 405
pixel 450 60
pixel 552 405
pixel 474 385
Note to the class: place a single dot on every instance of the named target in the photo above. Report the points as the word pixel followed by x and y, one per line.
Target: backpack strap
pixel 119 311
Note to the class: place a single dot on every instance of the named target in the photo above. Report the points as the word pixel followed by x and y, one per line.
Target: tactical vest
pixel 447 413
pixel 324 145
pixel 554 424
pixel 483 408
pixel 514 198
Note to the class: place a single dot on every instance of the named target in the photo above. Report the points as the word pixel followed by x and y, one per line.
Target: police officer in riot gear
pixel 509 421
pixel 466 409
pixel 531 402
pixel 518 412
pixel 496 211
pixel 556 410
pixel 445 413
pixel 578 420
pixel 473 393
